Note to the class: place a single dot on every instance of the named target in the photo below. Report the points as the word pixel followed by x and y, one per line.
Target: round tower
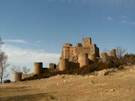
pixel 83 60
pixel 38 67
pixel 17 76
pixel 63 65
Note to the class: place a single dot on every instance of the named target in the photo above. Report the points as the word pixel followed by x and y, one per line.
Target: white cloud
pixel 26 57
pixel 123 17
pixel 109 18
pixel 15 41
pixel 128 22
pixel 123 21
pixel 133 23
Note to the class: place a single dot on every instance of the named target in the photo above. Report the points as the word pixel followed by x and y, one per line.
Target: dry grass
pixel 117 86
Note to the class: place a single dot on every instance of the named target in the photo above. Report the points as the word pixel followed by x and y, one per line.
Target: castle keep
pixel 80 54
pixel 86 47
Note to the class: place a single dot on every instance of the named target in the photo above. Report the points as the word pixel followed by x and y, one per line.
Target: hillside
pixel 115 86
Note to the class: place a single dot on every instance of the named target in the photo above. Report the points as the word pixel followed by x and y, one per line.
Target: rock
pixel 112 90
pixel 106 72
pixel 92 82
pixel 57 84
pixel 102 72
pixel 64 81
pixel 63 76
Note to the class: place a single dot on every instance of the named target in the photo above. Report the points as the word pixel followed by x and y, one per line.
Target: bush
pixel 7 81
pixel 129 59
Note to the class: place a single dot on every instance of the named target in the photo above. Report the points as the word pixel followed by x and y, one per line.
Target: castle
pixel 73 58
pixel 80 54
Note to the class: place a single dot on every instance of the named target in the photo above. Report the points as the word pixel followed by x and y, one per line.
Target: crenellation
pixel 79 45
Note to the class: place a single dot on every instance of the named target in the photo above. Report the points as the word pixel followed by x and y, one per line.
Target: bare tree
pixel 3 62
pixel 23 69
pixel 120 52
pixel 15 68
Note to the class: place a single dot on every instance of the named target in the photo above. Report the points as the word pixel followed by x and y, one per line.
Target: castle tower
pixel 83 60
pixel 38 67
pixel 66 51
pixel 63 65
pixel 16 76
pixel 87 42
pixel 95 50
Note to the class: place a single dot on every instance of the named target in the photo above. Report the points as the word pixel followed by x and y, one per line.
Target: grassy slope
pixel 118 86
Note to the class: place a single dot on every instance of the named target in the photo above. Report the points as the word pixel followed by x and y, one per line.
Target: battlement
pixel 67 45
pixel 79 45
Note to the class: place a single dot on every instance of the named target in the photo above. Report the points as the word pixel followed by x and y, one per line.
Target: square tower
pixel 87 42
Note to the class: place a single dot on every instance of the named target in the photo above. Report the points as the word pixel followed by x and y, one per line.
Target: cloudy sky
pixel 35 30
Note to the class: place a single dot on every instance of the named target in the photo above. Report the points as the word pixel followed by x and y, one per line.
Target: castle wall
pixel 72 54
pixel 63 65
pixel 52 66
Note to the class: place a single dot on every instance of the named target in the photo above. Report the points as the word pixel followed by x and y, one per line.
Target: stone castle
pixel 73 58
pixel 86 47
pixel 80 54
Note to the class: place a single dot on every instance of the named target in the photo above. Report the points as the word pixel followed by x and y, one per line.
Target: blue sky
pixel 42 26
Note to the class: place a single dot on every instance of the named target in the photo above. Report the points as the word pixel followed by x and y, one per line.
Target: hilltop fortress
pixel 74 59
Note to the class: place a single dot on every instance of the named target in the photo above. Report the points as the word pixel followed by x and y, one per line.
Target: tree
pixel 3 61
pixel 16 68
pixel 120 52
pixel 23 69
pixel 129 59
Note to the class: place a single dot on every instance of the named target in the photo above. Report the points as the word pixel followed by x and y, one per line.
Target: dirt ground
pixel 116 86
